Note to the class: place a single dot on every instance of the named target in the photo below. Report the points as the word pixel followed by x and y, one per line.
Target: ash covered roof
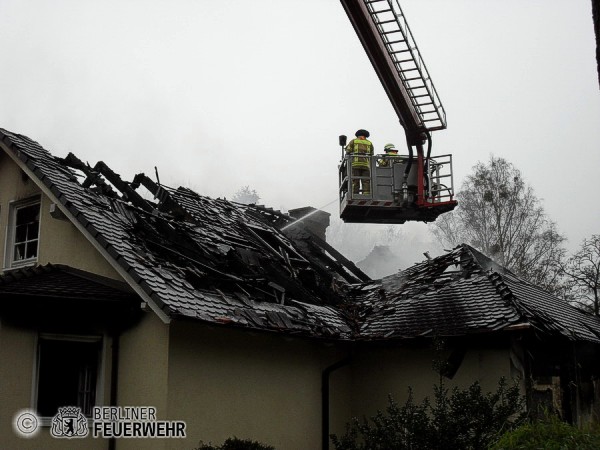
pixel 219 262
pixel 464 292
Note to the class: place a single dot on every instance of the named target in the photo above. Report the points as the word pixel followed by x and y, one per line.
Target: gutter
pixel 325 399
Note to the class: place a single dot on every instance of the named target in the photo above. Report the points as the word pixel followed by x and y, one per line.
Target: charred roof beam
pixel 92 176
pixel 144 180
pixel 128 192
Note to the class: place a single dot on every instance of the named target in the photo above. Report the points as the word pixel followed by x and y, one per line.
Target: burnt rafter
pixel 92 176
pixel 142 179
pixel 95 177
pixel 127 191
pixel 166 204
pixel 327 257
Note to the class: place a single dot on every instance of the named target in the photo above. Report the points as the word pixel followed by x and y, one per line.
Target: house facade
pixel 237 320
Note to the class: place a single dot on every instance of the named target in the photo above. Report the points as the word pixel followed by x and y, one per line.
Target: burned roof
pixel 193 257
pixel 464 292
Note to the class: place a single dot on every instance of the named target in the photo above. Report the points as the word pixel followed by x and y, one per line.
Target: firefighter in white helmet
pixel 390 156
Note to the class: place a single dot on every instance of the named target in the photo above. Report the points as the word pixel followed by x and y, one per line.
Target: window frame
pixel 9 251
pixel 100 340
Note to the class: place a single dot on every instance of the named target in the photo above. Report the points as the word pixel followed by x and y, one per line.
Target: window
pixel 23 234
pixel 67 373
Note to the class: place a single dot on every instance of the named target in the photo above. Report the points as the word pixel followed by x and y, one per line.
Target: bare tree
pixel 500 214
pixel 246 196
pixel 583 272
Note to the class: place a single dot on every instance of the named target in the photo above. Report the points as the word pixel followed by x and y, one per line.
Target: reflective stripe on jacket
pixel 356 146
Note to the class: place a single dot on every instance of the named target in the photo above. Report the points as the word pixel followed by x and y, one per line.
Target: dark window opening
pixel 67 375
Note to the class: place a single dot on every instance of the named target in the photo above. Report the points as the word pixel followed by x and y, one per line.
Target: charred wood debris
pixel 232 249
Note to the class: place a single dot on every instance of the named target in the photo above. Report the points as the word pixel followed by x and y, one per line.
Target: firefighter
pixel 390 155
pixel 361 165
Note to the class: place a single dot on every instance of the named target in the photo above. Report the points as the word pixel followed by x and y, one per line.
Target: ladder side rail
pixel 363 22
pixel 420 63
pixel 424 86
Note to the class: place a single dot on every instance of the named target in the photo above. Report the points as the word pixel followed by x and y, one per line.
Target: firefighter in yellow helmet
pixel 362 150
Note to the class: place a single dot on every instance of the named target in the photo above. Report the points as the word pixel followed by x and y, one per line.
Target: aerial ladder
pixel 415 187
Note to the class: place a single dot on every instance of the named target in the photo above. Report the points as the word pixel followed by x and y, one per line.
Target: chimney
pixel 313 219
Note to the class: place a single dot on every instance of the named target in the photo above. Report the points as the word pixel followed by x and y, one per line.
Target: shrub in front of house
pixel 236 444
pixel 549 434
pixel 456 419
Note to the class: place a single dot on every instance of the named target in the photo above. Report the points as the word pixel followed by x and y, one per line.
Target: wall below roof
pixel 267 387
pixel 60 242
pixel 143 378
pixel 378 372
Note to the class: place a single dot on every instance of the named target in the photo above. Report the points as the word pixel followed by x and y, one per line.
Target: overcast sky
pixel 222 94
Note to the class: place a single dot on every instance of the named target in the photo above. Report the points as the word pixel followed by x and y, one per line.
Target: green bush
pixel 455 420
pixel 548 434
pixel 236 444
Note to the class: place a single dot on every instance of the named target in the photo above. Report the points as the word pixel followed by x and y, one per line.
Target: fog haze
pixel 220 95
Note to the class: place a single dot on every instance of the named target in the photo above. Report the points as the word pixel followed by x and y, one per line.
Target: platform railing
pixel 439 180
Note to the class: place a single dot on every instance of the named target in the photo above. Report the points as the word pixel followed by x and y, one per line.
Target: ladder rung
pixel 408 70
pixel 432 120
pixel 415 87
pixel 382 11
pixel 424 104
pixel 404 60
pixel 392 31
pixel 368 2
pixel 413 78
pixel 424 84
pixel 399 51
pixel 385 21
pixel 396 42
pixel 422 95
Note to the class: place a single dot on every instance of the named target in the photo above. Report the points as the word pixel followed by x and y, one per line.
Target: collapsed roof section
pixel 460 293
pixel 196 257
